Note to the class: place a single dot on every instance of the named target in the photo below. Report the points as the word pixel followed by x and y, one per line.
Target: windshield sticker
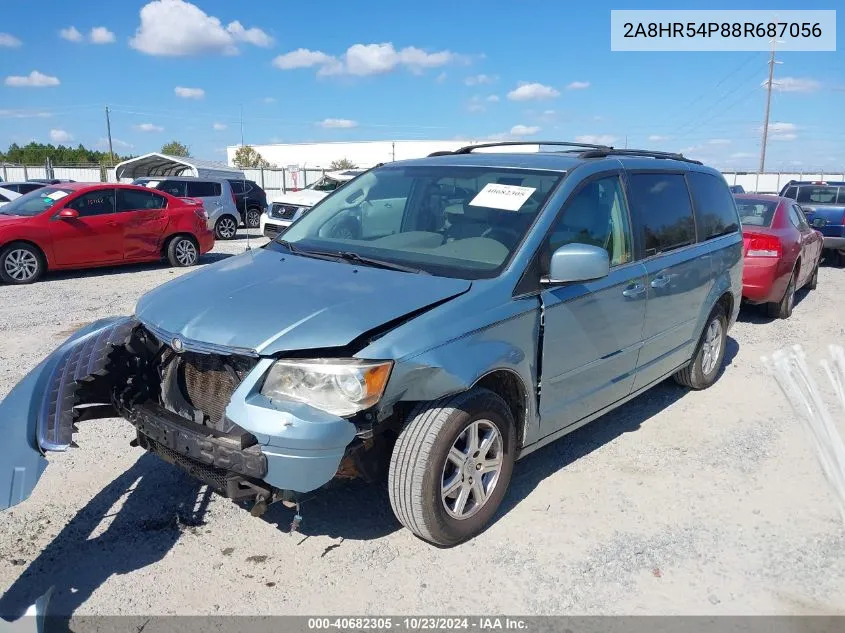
pixel 152 184
pixel 504 197
pixel 56 195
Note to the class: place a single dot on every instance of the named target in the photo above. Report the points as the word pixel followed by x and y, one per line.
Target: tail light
pixel 760 245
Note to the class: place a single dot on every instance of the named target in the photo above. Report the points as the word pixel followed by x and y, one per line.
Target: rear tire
pixel 783 308
pixel 440 462
pixel 182 251
pixel 21 263
pixel 704 368
pixel 253 218
pixel 226 227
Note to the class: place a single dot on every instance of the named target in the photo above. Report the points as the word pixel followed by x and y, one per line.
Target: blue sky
pixel 382 69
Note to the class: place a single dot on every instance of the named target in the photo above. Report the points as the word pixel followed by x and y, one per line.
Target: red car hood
pixel 12 220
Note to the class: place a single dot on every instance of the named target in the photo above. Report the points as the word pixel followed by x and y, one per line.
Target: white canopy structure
pixel 156 164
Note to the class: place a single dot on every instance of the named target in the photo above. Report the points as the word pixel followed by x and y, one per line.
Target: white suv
pixel 283 209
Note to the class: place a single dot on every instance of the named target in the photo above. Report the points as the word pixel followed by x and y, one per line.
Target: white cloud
pixel 337 123
pixel 218 127
pixel 656 138
pixel 34 79
pixel 719 141
pixel 441 77
pixel 477 80
pixel 189 93
pixel 60 136
pixel 493 98
pixel 578 85
pixel 524 130
pixel 25 114
pixel 103 143
pixel 269 100
pixel 780 127
pixel 742 155
pixel 254 36
pixel 149 127
pixel 301 58
pixel 794 84
pixel 475 108
pixel 783 137
pixel 532 91
pixel 9 41
pixel 366 59
pixel 596 139
pixel 101 35
pixel 71 34
pixel 178 28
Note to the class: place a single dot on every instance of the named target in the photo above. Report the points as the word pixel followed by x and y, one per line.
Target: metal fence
pixel 277 180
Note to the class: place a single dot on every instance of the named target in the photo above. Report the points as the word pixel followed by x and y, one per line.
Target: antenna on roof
pixel 246 210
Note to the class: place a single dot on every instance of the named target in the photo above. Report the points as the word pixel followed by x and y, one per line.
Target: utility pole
pixel 768 107
pixel 108 131
pixel 393 151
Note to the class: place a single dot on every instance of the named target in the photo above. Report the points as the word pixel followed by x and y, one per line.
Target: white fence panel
pixel 79 174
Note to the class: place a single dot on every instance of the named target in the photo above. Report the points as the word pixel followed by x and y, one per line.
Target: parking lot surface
pixel 678 503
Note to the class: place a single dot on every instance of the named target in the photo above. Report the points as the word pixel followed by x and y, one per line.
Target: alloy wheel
pixel 186 252
pixel 472 469
pixel 226 227
pixel 21 264
pixel 712 346
pixel 253 219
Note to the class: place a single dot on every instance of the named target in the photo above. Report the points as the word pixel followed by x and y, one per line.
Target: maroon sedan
pixel 781 252
pixel 82 225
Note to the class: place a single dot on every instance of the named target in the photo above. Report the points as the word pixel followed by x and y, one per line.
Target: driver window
pixel 596 215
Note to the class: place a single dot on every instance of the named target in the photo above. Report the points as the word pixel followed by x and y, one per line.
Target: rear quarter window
pixel 715 209
pixel 662 212
pixel 204 189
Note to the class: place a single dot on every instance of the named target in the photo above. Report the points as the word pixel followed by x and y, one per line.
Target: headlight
pixel 341 386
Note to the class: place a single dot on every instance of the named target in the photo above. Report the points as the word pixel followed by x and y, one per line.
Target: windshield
pixel 35 202
pixel 756 212
pixel 324 184
pixel 463 222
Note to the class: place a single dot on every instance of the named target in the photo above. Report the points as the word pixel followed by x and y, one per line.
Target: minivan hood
pixel 304 198
pixel 270 302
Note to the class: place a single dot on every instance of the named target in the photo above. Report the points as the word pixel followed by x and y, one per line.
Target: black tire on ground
pixel 839 257
pixel 706 364
pixel 253 218
pixel 226 227
pixel 21 263
pixel 783 309
pixel 183 251
pixel 813 283
pixel 421 464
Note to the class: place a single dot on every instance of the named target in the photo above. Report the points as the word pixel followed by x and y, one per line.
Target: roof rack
pixel 469 148
pixel 602 153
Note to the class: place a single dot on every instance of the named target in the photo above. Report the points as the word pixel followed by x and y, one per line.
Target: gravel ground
pixel 678 503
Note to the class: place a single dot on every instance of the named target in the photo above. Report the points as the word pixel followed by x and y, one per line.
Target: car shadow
pixel 208 258
pixel 756 313
pixel 360 511
pixel 159 502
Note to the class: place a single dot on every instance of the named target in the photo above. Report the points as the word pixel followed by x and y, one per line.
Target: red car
pixel 781 252
pixel 83 225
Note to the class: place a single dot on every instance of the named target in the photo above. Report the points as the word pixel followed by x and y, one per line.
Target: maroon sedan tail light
pixel 760 245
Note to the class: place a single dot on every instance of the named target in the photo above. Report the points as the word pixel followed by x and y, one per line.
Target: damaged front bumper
pixel 293 448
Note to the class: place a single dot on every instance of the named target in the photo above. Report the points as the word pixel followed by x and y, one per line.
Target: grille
pixel 283 211
pixel 209 381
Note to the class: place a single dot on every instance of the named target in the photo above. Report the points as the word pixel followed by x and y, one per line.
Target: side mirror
pixel 577 262
pixel 68 214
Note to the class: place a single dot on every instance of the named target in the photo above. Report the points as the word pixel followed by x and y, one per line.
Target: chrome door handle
pixel 661 281
pixel 634 290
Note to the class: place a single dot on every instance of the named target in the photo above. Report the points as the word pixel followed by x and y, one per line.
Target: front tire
pixel 253 218
pixel 226 228
pixel 704 368
pixel 451 466
pixel 814 280
pixel 21 263
pixel 182 251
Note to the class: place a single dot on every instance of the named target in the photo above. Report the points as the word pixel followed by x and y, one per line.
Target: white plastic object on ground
pixel 789 367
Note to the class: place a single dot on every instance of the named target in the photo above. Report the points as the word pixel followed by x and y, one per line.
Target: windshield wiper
pixel 377 263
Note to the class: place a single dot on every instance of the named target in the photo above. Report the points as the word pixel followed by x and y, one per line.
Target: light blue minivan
pixel 430 322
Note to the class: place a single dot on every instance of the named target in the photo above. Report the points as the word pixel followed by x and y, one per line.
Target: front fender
pixel 36 415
